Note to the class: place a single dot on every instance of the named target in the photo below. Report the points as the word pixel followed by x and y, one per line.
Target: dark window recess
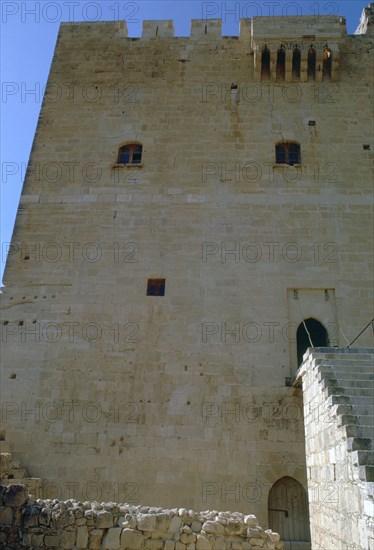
pixel 288 153
pixel 312 64
pixel 281 64
pixel 130 154
pixel 265 64
pixel 366 147
pixel 296 63
pixel 156 287
pixel 326 64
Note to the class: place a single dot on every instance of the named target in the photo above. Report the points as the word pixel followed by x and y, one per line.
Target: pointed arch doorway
pixel 318 335
pixel 288 513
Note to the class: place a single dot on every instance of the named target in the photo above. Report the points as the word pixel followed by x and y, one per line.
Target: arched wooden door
pixel 288 510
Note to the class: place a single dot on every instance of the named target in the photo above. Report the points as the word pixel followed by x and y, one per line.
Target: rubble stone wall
pixel 26 523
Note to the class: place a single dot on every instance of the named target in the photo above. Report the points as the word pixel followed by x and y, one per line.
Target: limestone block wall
pixel 32 524
pixel 184 395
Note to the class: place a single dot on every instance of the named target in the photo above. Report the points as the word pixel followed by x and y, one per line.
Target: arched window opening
pixel 265 64
pixel 287 153
pixel 281 64
pixel 312 62
pixel 130 154
pixel 288 510
pixel 296 64
pixel 318 336
pixel 326 64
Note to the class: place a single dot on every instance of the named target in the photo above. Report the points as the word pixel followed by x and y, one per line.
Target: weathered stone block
pixel 202 543
pixel 68 538
pixel 103 519
pixel 95 538
pixel 15 495
pixel 6 515
pixel 52 540
pixel 175 524
pixel 111 540
pixel 251 520
pixel 219 544
pixel 130 538
pixel 31 518
pixel 187 538
pixel 196 526
pixel 147 522
pixel 162 522
pixel 82 536
pixel 152 544
pixel 257 542
pixel 213 527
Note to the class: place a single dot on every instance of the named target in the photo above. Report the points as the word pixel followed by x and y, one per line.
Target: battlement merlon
pixel 257 29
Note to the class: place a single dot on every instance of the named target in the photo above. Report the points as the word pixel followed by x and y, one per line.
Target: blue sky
pixel 28 35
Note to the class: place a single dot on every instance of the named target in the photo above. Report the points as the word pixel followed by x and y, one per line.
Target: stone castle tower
pixel 196 214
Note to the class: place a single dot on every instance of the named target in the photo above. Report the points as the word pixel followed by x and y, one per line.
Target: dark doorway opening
pixel 318 336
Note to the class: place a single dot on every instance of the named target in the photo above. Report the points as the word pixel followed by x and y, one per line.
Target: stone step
pixel 349 392
pixel 326 380
pixel 328 359
pixel 366 473
pixel 362 458
pixel 361 400
pixel 360 420
pixel 346 363
pixel 361 374
pixel 359 444
pixel 359 403
pixel 339 352
pixel 355 430
pixel 358 411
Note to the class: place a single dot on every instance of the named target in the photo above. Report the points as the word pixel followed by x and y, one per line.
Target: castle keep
pixel 196 214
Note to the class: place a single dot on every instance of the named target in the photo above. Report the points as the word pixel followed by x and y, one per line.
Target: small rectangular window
pixel 156 287
pixel 287 153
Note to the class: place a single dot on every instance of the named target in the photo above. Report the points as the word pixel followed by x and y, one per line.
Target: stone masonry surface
pixel 338 394
pixel 184 400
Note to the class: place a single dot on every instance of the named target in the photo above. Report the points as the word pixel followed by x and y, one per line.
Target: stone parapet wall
pixel 26 524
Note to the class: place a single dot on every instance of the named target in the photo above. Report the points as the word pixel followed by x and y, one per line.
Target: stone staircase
pixel 338 396
pixel 347 377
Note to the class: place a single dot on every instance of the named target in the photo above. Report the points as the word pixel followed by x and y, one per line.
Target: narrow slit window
pixel 130 154
pixel 265 64
pixel 296 64
pixel 281 64
pixel 234 93
pixel 156 287
pixel 287 153
pixel 312 62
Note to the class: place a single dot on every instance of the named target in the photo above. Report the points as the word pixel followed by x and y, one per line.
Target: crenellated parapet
pixel 288 49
